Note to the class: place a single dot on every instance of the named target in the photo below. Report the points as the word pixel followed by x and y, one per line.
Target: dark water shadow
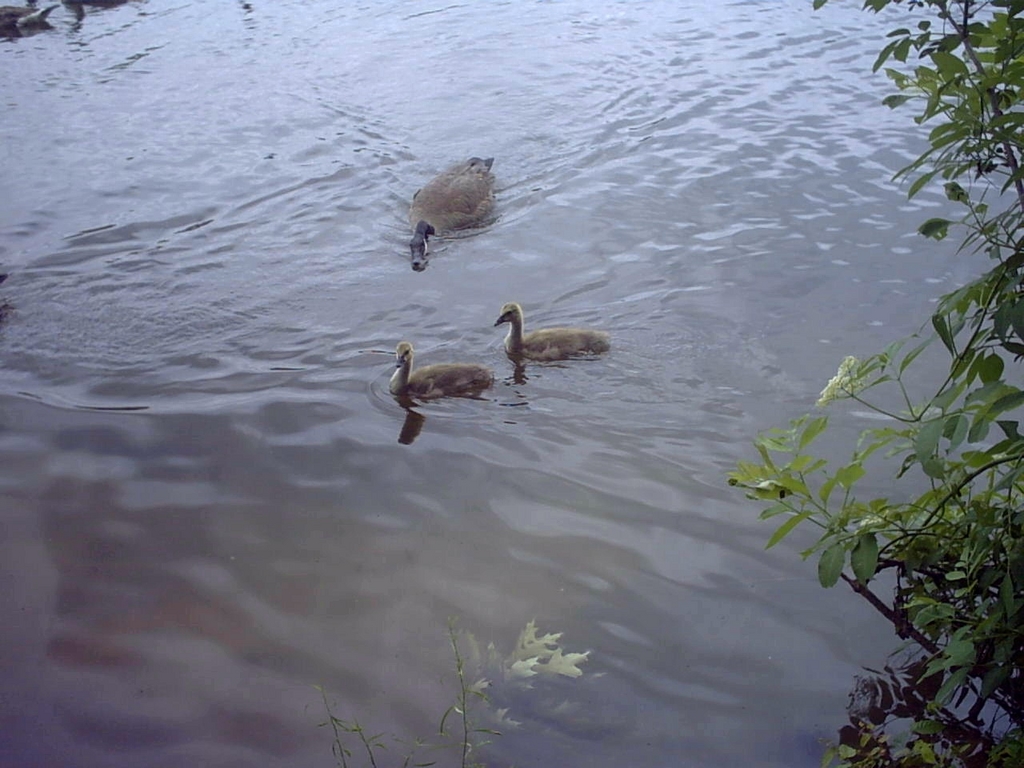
pixel 78 9
pixel 884 702
pixel 412 425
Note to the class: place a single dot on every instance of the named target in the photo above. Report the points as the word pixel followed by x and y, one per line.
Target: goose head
pixel 403 353
pixel 510 313
pixel 480 164
pixel 418 245
pixel 403 365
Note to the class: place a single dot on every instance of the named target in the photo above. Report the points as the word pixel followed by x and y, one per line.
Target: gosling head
pixel 510 313
pixel 418 245
pixel 402 353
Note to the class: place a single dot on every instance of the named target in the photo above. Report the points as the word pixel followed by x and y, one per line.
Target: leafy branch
pixel 956 548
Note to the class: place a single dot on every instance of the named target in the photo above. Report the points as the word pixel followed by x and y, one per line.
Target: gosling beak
pixel 398 363
pixel 500 320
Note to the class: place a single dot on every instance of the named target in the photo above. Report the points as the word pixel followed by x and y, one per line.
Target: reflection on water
pixel 211 500
pixel 5 307
pixel 412 426
pixel 883 702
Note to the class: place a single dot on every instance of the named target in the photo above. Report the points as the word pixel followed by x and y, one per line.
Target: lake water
pixel 210 502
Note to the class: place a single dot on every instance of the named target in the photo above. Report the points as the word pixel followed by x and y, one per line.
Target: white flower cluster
pixel 842 384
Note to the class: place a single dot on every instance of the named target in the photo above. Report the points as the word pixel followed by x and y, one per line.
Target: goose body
pixel 548 343
pixel 442 380
pixel 460 197
pixel 14 19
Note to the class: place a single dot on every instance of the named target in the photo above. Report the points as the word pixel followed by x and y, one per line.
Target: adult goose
pixel 460 197
pixel 15 19
pixel 442 380
pixel 548 343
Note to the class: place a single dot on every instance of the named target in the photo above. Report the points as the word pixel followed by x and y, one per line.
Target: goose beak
pixel 500 320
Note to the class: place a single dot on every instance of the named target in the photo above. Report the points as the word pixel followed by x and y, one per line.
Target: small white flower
pixel 871 522
pixel 842 384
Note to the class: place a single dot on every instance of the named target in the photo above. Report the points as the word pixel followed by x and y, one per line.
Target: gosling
pixel 548 343
pixel 443 380
pixel 460 197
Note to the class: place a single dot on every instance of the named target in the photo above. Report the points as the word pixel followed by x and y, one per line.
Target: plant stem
pixel 337 747
pixel 962 31
pixel 903 627
pixel 463 699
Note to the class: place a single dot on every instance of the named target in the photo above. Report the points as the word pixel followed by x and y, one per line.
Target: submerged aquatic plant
pixel 478 669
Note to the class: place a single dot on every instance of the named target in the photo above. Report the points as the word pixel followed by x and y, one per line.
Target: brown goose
pixel 15 19
pixel 548 343
pixel 462 196
pixel 444 380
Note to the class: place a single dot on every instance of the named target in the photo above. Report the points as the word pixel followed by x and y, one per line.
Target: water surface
pixel 211 502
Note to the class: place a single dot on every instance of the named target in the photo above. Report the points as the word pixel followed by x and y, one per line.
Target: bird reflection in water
pixel 518 371
pixel 5 308
pixel 77 7
pixel 413 424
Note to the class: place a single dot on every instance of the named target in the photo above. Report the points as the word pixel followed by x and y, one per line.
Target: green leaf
pixel 994 677
pixel 1010 429
pixel 946 399
pixel 935 228
pixel 920 181
pixel 934 468
pixel 988 394
pixel 949 66
pixel 979 429
pixel 990 368
pixel 826 489
pixel 1007 597
pixel 765 456
pixel 1005 403
pixel 850 474
pixel 895 99
pixel 830 565
pixel 960 652
pixel 819 3
pixel 785 528
pixel 864 557
pixel 812 429
pixel 953 682
pixel 941 327
pixel 902 49
pixel 774 511
pixel 928 727
pixel 912 354
pixel 956 193
pixel 927 439
pixel 883 55
pixel 955 430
